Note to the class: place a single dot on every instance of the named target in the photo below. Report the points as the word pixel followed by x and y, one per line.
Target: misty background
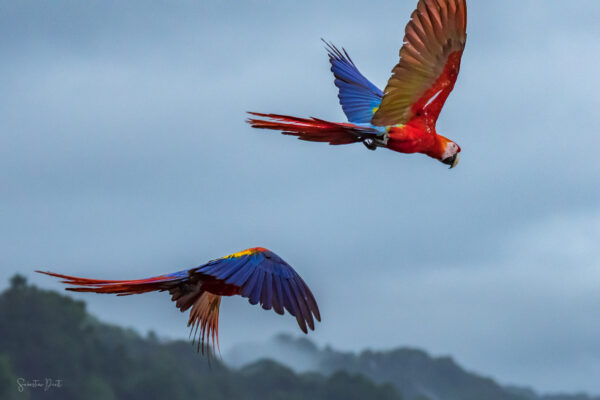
pixel 125 155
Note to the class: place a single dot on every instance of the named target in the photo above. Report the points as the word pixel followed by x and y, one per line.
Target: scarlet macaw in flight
pixel 403 117
pixel 257 274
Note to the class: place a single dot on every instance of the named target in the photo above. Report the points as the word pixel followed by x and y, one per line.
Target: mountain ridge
pixel 412 371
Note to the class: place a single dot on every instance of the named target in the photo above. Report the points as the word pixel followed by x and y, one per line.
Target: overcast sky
pixel 125 154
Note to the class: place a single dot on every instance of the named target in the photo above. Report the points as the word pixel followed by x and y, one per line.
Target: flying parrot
pixel 403 117
pixel 257 274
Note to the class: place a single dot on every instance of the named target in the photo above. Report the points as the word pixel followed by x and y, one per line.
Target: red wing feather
pixel 429 63
pixel 204 316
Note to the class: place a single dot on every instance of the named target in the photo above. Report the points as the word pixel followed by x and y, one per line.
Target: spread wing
pixel 429 63
pixel 358 96
pixel 257 274
pixel 263 277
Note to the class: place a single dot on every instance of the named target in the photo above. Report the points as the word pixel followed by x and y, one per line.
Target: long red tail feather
pixel 312 129
pixel 204 313
pixel 121 288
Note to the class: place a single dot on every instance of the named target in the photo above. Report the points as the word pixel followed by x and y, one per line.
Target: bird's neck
pixel 438 146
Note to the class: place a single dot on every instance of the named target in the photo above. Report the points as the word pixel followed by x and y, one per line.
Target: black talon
pixel 370 144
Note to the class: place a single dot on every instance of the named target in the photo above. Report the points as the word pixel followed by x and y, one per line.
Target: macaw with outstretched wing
pixel 257 274
pixel 402 117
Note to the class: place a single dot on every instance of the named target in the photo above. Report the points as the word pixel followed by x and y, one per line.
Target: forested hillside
pixel 44 334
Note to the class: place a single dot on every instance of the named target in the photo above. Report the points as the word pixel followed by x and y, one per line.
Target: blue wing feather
pixel 294 306
pixel 229 270
pixel 312 303
pixel 359 98
pixel 288 299
pixel 248 287
pixel 299 298
pixel 263 277
pixel 267 292
pixel 277 295
pixel 257 293
pixel 240 277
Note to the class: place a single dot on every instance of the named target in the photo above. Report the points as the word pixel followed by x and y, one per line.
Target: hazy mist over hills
pixel 413 372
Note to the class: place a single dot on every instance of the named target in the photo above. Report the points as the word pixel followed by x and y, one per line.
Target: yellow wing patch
pixel 247 252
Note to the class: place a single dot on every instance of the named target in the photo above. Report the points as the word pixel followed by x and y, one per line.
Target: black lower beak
pixel 451 161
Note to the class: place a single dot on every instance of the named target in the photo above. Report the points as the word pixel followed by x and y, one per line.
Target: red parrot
pixel 257 274
pixel 403 117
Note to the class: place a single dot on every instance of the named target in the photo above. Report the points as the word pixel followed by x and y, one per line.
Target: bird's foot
pixel 370 144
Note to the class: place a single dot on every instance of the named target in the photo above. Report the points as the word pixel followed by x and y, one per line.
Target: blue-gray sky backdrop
pixel 125 154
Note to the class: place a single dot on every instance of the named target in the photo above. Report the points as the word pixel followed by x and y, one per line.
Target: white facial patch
pixel 451 149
